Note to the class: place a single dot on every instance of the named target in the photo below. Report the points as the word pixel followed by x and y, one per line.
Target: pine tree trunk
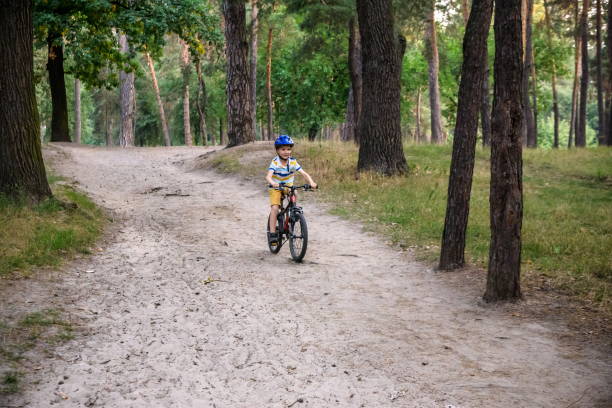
pixel 22 171
pixel 601 121
pixel 77 110
pixel 379 131
pixel 269 83
pixel 609 47
pixel 434 69
pixel 465 10
pixel 348 131
pixel 534 100
pixel 201 105
pixel 485 106
pixel 57 84
pixel 355 71
pixel 128 99
pixel 575 88
pixel 553 80
pixel 506 199
pixel 160 105
pixel 186 68
pixel 584 80
pixel 466 130
pixel 418 115
pixel 253 69
pixel 239 120
pixel 529 126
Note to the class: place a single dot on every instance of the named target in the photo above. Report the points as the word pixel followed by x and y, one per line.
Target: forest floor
pixel 182 305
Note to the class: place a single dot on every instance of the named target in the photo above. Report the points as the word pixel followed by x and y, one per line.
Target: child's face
pixel 284 152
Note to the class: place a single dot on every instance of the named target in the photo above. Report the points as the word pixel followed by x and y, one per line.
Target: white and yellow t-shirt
pixel 284 174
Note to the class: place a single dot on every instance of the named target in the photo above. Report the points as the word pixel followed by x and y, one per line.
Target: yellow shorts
pixel 276 196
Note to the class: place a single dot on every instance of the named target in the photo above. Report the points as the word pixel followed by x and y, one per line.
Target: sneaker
pixel 273 237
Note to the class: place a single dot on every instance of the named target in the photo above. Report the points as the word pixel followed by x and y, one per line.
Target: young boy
pixel 282 170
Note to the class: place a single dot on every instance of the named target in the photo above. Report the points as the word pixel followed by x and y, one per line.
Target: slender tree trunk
pixel 534 99
pixel 239 121
pixel 601 121
pixel 77 110
pixel 186 68
pixel 355 71
pixel 312 132
pixel 269 83
pixel 418 115
pixel 160 105
pixel 485 106
pixel 57 84
pixel 22 171
pixel 253 70
pixel 379 132
pixel 554 79
pixel 465 10
pixel 348 131
pixel 530 132
pixel 128 99
pixel 609 47
pixel 575 89
pixel 201 104
pixel 506 199
pixel 584 80
pixel 473 71
pixel 434 68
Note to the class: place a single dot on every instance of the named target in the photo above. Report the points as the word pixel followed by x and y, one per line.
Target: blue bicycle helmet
pixel 283 140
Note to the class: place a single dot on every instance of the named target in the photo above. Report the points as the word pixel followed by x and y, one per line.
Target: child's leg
pixel 273 214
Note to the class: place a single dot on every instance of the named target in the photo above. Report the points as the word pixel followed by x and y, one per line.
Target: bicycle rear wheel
pixel 274 248
pixel 298 237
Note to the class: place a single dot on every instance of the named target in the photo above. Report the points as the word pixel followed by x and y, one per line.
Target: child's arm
pixel 307 176
pixel 269 179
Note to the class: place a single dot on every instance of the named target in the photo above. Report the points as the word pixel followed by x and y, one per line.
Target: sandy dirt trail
pixel 185 307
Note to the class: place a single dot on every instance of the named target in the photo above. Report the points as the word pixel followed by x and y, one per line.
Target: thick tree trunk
pixel 186 68
pixel 434 69
pixel 506 198
pixel 239 120
pixel 485 106
pixel 575 88
pixel 160 105
pixel 466 129
pixel 379 130
pixel 269 83
pixel 529 125
pixel 128 99
pixel 77 110
pixel 57 84
pixel 601 121
pixel 355 71
pixel 201 105
pixel 22 172
pixel 553 81
pixel 584 80
pixel 253 70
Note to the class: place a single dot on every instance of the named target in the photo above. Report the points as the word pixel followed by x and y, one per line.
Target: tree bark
pixel 269 83
pixel 485 106
pixel 553 80
pixel 506 198
pixel 201 105
pixel 434 68
pixel 577 74
pixel 465 10
pixel 186 68
pixel 239 121
pixel 609 47
pixel 379 130
pixel 57 84
pixel 253 70
pixel 418 115
pixel 601 121
pixel 473 71
pixel 534 100
pixel 22 171
pixel 77 110
pixel 160 105
pixel 355 71
pixel 128 99
pixel 584 80
pixel 529 124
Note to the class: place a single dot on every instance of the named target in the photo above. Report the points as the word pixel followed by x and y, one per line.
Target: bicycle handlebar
pixel 282 186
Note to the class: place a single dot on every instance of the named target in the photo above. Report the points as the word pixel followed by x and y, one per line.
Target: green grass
pixel 48 233
pixel 567 224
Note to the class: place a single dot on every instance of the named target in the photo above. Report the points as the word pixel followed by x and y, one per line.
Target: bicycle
pixel 290 224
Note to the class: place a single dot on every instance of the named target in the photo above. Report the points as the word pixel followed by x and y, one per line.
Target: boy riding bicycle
pixel 281 171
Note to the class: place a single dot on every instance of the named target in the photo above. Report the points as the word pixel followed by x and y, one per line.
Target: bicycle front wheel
pixel 298 237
